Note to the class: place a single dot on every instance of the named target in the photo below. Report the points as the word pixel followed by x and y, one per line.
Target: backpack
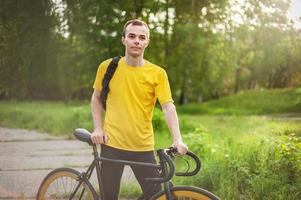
pixel 106 80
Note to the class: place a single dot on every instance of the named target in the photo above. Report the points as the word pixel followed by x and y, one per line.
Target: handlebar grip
pixel 164 159
pixel 197 167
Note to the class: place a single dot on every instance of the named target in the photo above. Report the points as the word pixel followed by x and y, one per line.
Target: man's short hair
pixel 135 22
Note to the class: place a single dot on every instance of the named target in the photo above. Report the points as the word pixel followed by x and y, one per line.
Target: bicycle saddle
pixel 83 135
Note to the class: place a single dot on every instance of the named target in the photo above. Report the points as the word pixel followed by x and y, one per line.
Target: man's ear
pixel 147 43
pixel 122 40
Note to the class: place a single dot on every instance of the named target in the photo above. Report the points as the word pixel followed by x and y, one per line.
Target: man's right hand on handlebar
pixel 99 137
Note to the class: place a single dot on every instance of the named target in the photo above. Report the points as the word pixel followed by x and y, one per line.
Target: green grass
pixel 250 147
pixel 236 127
pixel 130 190
pixel 52 117
pixel 61 118
pixel 255 102
pixel 247 157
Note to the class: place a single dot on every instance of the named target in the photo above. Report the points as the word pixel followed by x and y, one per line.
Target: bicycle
pixel 76 185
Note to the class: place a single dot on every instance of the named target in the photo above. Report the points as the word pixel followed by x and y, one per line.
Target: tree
pixel 27 28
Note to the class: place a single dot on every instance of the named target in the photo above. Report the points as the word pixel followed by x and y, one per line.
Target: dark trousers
pixel 111 172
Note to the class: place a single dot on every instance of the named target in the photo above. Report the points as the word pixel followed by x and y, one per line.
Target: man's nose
pixel 136 41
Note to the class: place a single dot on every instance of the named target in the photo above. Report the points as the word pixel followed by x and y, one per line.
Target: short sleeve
pixel 100 74
pixel 162 90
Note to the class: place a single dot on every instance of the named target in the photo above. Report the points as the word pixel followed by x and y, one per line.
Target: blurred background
pixel 234 68
pixel 51 49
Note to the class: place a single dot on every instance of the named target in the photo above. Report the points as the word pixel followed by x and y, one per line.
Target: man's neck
pixel 134 61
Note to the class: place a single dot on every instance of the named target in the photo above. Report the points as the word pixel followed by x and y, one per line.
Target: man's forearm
pixel 172 121
pixel 96 110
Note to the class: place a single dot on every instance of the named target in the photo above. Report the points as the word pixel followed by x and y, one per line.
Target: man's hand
pixel 181 147
pixel 99 137
pixel 172 121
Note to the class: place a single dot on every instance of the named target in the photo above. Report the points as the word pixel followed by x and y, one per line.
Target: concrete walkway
pixel 26 157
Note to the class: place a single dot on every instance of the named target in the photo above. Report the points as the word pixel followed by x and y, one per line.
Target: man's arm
pixel 98 135
pixel 172 121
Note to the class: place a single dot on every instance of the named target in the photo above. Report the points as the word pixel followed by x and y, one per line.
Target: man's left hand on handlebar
pixel 181 147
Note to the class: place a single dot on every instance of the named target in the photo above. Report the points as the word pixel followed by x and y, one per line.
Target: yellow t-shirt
pixel 130 103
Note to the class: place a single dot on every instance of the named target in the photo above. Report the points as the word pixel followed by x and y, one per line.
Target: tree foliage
pixel 51 49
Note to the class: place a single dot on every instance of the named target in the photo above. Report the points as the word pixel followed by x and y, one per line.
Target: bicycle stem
pixel 166 174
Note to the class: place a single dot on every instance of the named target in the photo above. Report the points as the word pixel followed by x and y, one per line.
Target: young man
pixel 127 131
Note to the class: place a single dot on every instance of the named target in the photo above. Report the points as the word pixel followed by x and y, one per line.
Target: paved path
pixel 26 157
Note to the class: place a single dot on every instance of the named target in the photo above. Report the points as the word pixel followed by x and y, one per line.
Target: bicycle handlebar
pixel 164 154
pixel 196 169
pixel 190 154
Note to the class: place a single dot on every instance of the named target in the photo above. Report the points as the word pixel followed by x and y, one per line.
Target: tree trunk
pixel 237 77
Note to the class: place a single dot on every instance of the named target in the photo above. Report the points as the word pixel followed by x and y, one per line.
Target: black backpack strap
pixel 106 80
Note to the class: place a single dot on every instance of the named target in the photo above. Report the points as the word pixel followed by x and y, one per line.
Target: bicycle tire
pixel 186 192
pixel 67 175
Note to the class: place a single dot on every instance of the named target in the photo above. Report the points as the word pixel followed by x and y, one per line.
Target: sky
pixel 295 13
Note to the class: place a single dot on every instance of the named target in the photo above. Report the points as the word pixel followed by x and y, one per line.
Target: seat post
pixel 95 153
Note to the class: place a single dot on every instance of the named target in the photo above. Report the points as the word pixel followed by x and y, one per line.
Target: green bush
pixel 159 124
pixel 269 168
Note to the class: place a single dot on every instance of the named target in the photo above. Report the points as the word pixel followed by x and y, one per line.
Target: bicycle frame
pixel 165 166
pixel 96 165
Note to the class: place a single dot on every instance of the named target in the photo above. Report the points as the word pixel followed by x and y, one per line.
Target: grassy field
pixel 257 102
pixel 250 143
pixel 248 157
pixel 52 117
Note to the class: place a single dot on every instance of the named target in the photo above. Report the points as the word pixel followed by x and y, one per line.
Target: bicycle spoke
pixel 64 188
pixel 61 188
pixel 74 186
pixel 66 181
pixel 57 186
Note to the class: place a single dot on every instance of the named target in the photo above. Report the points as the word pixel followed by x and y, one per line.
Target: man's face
pixel 135 40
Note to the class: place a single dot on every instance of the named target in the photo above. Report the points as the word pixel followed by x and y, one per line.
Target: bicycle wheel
pixel 186 193
pixel 61 184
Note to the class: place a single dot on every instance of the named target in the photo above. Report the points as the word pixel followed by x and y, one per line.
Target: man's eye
pixel 131 36
pixel 142 38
